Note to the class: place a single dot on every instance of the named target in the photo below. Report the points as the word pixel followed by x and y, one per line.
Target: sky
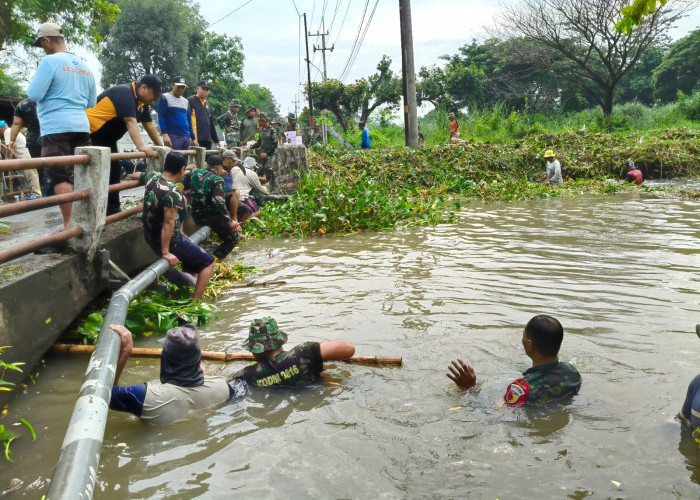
pixel 270 32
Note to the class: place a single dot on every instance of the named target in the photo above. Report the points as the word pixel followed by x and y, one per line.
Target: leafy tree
pixel 636 84
pixel 591 53
pixel 359 98
pixel 9 85
pixel 260 97
pixel 679 69
pixel 633 14
pixel 81 20
pixel 152 36
pixel 219 60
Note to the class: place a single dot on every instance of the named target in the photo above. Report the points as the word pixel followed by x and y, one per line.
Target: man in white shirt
pixel 20 151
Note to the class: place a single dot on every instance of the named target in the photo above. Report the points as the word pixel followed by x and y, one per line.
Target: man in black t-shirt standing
pixel 202 118
pixel 120 109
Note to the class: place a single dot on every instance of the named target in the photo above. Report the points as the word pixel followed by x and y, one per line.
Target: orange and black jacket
pixel 202 120
pixel 113 105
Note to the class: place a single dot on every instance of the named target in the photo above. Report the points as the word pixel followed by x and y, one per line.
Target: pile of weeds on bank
pixel 350 191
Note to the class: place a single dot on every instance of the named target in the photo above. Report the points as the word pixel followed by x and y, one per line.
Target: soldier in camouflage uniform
pixel 276 123
pixel 548 380
pixel 232 127
pixel 249 127
pixel 163 209
pixel 300 366
pixel 292 125
pixel 267 144
pixel 209 206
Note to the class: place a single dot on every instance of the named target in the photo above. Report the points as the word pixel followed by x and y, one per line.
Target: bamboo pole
pixel 154 352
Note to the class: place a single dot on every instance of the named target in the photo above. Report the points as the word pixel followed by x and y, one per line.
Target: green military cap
pixel 235 102
pixel 291 116
pixel 264 336
pixel 263 116
pixel 278 121
pixel 250 108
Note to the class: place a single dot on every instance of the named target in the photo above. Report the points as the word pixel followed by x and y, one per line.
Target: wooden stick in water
pixel 153 352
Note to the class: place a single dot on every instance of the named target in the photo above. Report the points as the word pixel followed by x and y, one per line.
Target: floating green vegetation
pixel 6 435
pixel 156 311
pixel 346 192
pixel 4 224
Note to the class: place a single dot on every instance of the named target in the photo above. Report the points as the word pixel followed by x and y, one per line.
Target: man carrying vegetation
pixel 553 168
pixel 548 379
pixel 163 202
pixel 300 366
pixel 182 386
pixel 209 204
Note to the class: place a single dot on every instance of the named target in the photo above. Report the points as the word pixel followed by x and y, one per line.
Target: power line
pixel 323 15
pixel 364 34
pixel 341 26
pixel 233 11
pixel 313 10
pixel 337 4
pixel 357 37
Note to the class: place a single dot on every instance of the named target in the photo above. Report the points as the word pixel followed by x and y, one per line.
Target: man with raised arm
pixel 547 380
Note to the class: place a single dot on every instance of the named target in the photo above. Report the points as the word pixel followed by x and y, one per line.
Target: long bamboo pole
pixel 153 352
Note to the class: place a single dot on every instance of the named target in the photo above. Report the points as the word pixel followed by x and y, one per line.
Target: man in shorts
pixel 163 204
pixel 63 88
pixel 301 365
pixel 548 379
pixel 244 181
pixel 120 109
pixel 182 386
pixel 209 204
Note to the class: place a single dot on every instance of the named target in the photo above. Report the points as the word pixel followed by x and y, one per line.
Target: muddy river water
pixel 620 273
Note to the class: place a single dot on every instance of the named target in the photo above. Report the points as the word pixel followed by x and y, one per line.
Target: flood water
pixel 620 273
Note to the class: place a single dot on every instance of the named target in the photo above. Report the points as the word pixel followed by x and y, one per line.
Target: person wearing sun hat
pixel 553 168
pixel 182 386
pixel 301 365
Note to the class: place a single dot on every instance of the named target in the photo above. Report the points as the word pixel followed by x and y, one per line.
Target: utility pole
pixel 323 49
pixel 409 75
pixel 296 102
pixel 308 72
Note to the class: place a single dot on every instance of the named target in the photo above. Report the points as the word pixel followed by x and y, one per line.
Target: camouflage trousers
pixel 233 139
pixel 265 167
pixel 229 237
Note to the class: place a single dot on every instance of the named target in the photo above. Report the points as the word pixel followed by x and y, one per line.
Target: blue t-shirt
pixel 690 413
pixel 174 116
pixel 365 138
pixel 63 88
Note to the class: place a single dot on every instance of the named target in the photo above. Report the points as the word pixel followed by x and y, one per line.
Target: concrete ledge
pixel 59 290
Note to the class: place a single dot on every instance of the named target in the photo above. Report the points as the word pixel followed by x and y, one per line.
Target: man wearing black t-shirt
pixel 120 109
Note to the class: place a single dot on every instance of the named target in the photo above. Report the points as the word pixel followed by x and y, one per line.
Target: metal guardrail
pixel 76 470
pixel 92 186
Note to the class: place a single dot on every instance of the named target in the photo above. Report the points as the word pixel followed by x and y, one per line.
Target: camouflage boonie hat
pixel 262 116
pixel 235 102
pixel 264 336
pixel 291 116
pixel 278 121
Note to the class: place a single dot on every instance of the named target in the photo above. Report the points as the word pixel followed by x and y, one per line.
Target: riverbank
pixel 350 191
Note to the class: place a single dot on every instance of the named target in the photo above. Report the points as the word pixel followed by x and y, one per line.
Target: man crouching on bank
pixel 300 366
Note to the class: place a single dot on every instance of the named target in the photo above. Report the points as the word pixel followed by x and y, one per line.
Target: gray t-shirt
pixel 554 172
pixel 168 403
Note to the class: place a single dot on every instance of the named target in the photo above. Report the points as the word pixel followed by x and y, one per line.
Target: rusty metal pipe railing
pixel 50 201
pixel 48 162
pixel 186 152
pixel 110 219
pixel 131 155
pixel 46 241
pixel 123 185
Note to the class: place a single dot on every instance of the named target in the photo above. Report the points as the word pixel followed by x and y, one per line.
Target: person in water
pixel 299 366
pixel 547 380
pixel 182 387
pixel 633 173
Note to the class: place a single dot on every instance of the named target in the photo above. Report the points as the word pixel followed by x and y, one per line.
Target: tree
pixel 636 84
pixel 633 14
pixel 81 20
pixel 581 32
pixel 152 36
pixel 359 98
pixel 260 97
pixel 219 60
pixel 679 69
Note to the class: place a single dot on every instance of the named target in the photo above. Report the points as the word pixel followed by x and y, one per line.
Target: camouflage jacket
pixel 543 384
pixel 300 366
pixel 267 141
pixel 229 122
pixel 249 128
pixel 26 110
pixel 160 194
pixel 207 198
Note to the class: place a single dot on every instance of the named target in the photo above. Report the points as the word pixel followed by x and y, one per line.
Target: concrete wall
pixel 60 292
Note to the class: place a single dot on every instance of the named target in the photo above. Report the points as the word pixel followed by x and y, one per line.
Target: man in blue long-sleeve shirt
pixel 364 143
pixel 174 117
pixel 63 88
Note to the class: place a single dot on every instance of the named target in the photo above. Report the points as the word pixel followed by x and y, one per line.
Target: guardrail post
pixel 199 156
pixel 90 214
pixel 156 164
